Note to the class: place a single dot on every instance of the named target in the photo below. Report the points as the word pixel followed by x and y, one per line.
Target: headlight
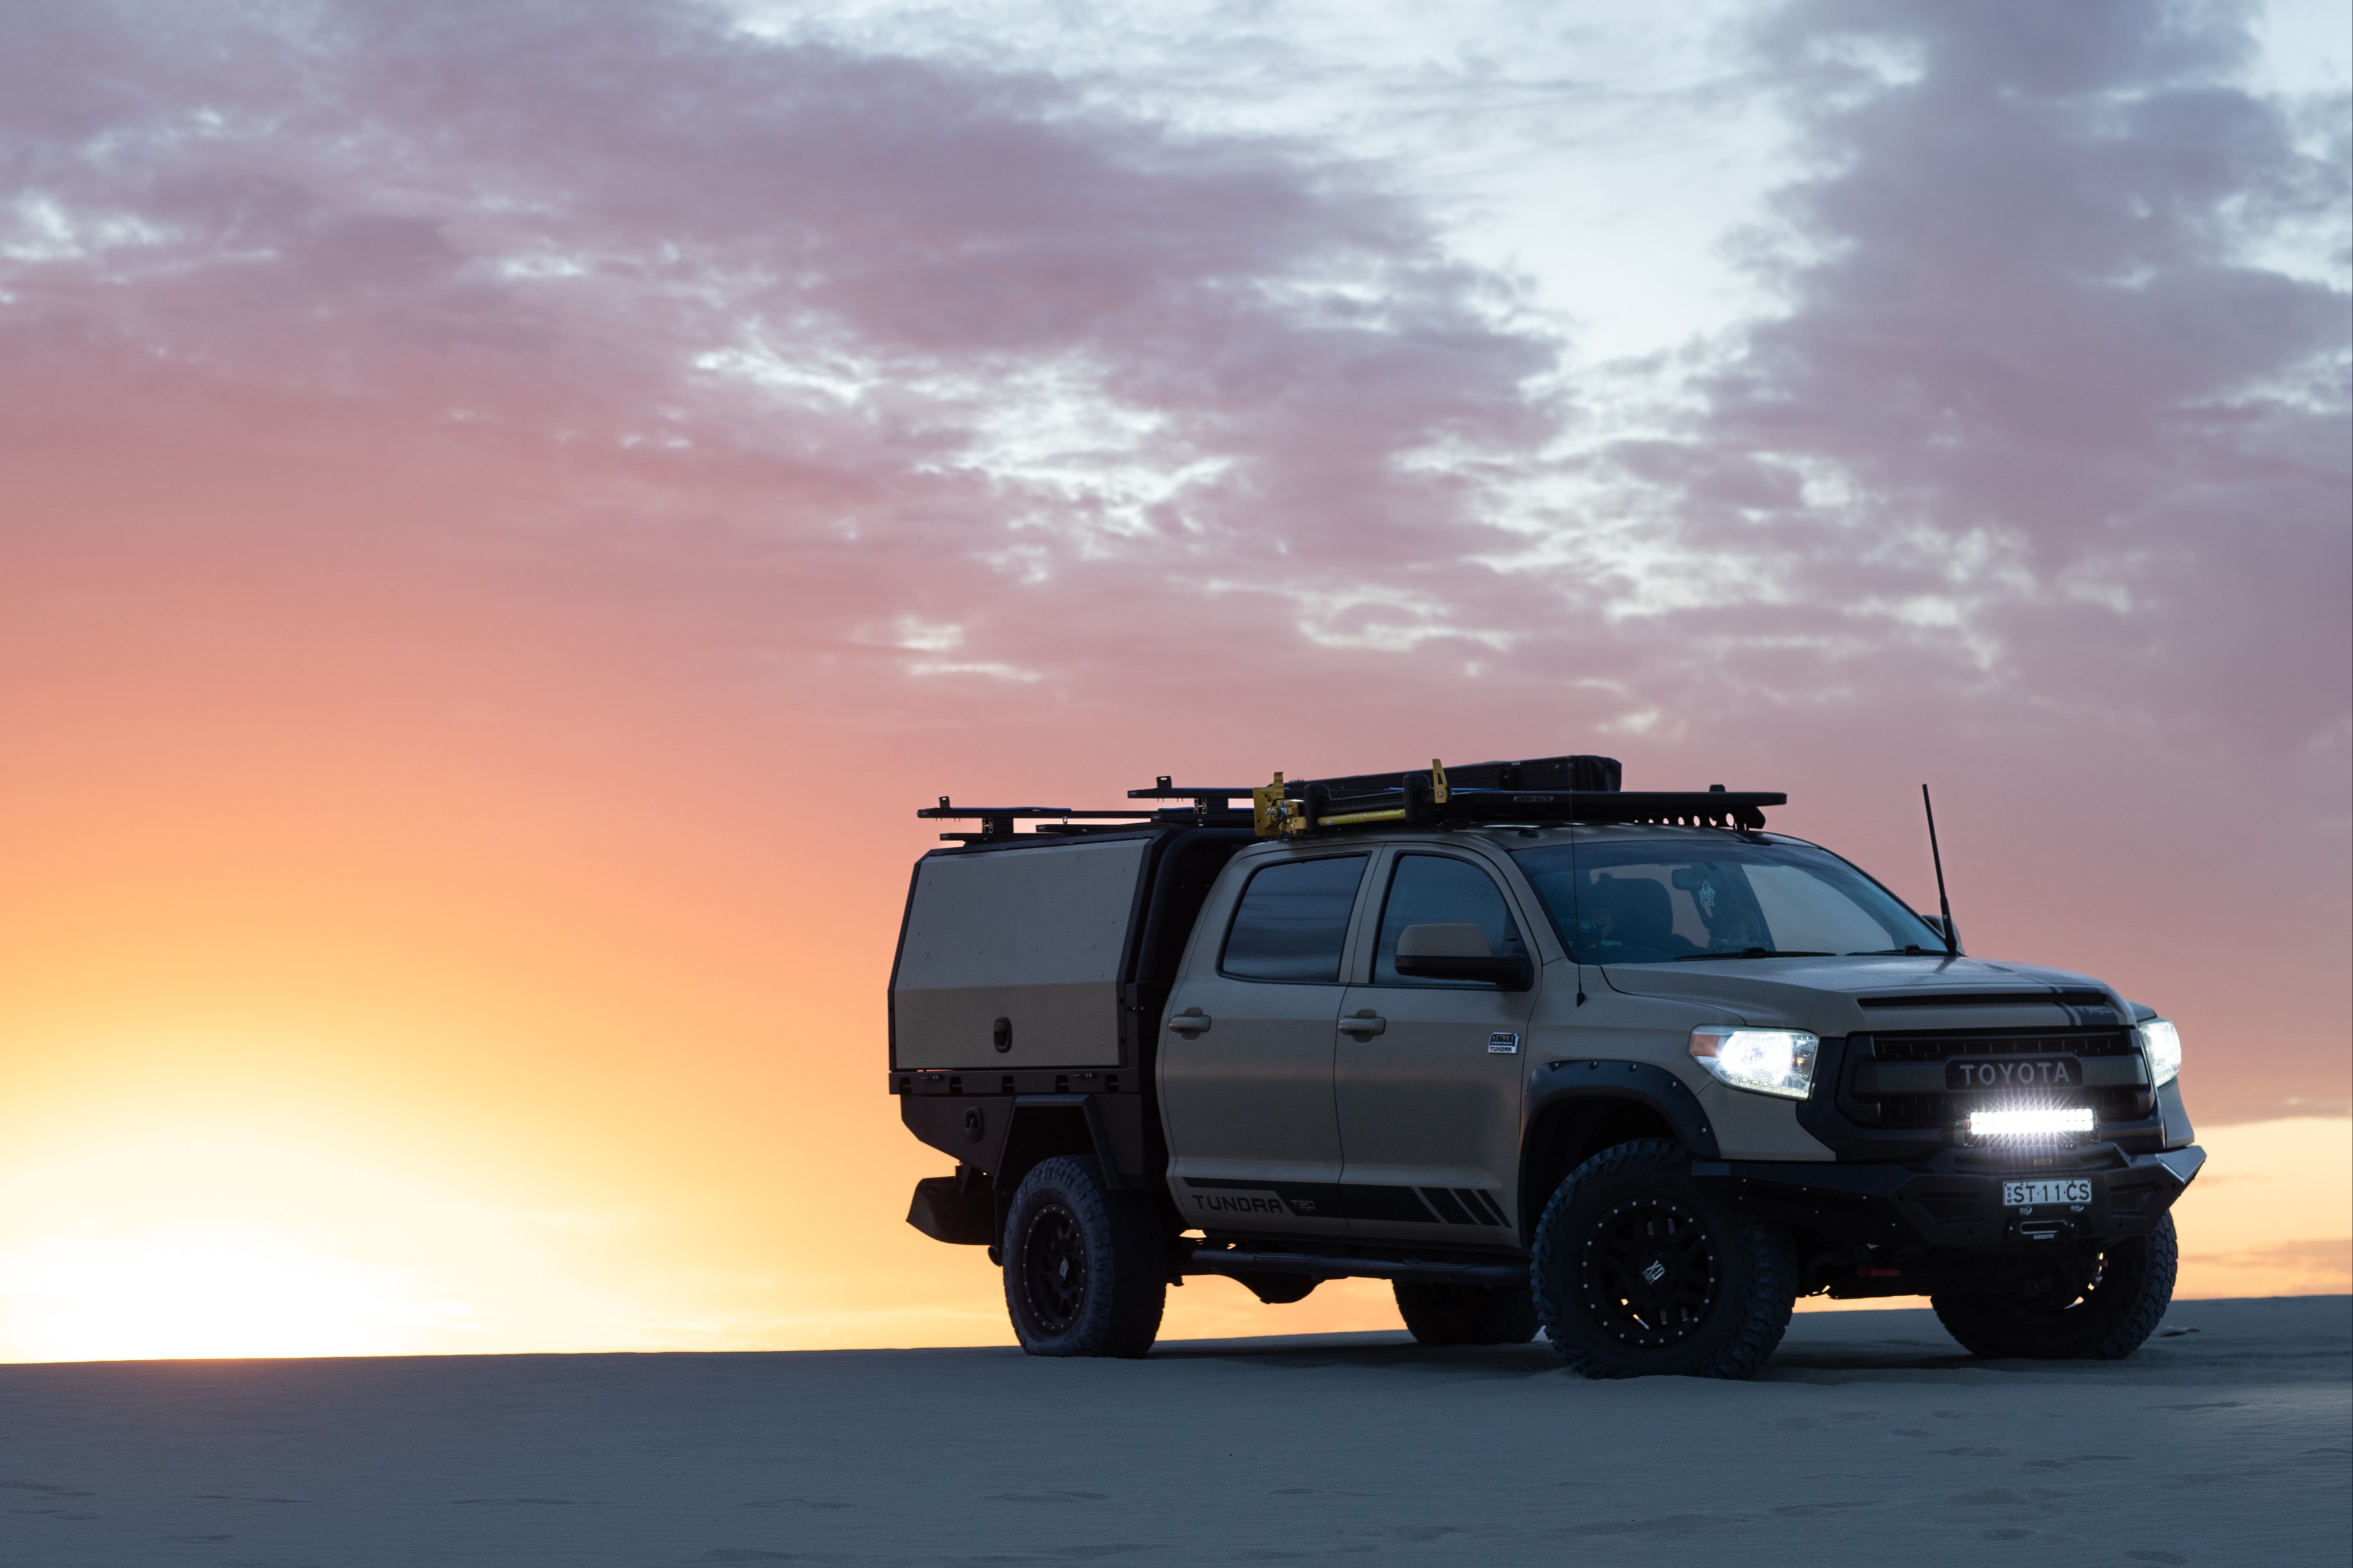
pixel 1768 1061
pixel 2162 1041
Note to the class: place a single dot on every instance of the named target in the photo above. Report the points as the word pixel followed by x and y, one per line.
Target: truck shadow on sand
pixel 1818 1352
pixel 1529 1360
pixel 1807 1360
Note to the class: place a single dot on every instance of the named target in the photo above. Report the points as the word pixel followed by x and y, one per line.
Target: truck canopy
pixel 1012 957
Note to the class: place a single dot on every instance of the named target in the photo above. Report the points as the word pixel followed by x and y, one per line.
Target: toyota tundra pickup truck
pixel 1623 1068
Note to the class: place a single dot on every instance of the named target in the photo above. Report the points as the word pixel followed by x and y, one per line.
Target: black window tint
pixel 1428 889
pixel 1293 920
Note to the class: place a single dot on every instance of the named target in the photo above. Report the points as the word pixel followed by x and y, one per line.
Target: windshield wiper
pixel 1916 951
pixel 1758 953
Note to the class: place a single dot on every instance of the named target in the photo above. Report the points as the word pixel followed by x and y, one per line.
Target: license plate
pixel 2033 1072
pixel 2027 1194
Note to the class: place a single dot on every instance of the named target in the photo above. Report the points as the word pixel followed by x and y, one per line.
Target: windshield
pixel 1658 901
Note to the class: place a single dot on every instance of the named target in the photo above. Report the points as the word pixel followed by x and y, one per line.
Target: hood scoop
pixel 1988 999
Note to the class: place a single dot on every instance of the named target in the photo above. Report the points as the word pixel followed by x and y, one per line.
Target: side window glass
pixel 1293 920
pixel 1428 889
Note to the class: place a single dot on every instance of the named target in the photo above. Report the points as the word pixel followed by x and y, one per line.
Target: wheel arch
pixel 1578 1109
pixel 1041 1127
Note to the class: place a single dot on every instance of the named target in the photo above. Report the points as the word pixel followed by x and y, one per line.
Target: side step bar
pixel 1204 1259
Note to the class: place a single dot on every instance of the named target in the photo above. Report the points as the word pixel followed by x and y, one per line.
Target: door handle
pixel 1191 1021
pixel 1363 1025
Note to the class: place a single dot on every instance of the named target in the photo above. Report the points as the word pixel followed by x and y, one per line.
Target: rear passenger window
pixel 1293 920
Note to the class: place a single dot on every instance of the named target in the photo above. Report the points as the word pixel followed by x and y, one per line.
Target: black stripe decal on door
pixel 1449 1210
pixel 1217 1197
pixel 1480 1203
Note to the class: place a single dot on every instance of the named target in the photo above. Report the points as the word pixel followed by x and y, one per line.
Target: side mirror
pixel 1458 951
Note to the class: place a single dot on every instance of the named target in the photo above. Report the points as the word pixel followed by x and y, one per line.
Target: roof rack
pixel 1209 809
pixel 1539 791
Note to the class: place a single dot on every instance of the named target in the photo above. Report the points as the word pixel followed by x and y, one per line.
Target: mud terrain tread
pixel 1771 1269
pixel 2118 1331
pixel 1128 1286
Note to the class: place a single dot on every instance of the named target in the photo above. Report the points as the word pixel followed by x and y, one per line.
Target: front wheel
pixel 1086 1270
pixel 2104 1318
pixel 1639 1272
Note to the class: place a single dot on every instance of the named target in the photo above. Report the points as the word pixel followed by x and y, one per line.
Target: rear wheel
pixel 1638 1271
pixel 2103 1317
pixel 1467 1314
pixel 1086 1272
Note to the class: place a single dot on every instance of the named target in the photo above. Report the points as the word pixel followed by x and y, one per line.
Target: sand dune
pixel 1869 1440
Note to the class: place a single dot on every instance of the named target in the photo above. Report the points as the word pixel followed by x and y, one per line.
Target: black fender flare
pixel 1585 1079
pixel 1578 1077
pixel 1041 1126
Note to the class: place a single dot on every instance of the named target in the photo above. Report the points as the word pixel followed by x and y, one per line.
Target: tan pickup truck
pixel 1551 1055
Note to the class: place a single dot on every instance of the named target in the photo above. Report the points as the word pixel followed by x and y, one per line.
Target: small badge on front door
pixel 1504 1043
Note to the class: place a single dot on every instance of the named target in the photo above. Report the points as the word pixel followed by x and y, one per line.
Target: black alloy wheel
pixel 1085 1264
pixel 1639 1272
pixel 1648 1272
pixel 1054 1268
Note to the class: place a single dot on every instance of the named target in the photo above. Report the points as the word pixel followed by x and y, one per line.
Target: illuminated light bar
pixel 2030 1123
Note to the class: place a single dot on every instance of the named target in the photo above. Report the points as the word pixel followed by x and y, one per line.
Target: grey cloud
pixel 2032 428
pixel 545 216
pixel 2024 346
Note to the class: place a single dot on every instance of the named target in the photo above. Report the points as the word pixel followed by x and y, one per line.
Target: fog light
pixel 2030 1123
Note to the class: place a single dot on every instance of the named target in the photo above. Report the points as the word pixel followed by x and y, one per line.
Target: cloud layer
pixel 945 316
pixel 928 394
pixel 2054 406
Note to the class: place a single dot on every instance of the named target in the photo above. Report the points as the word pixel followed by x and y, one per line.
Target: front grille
pixel 1901 1095
pixel 2043 1043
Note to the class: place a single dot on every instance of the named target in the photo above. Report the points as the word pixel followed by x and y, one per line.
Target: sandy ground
pixel 1870 1438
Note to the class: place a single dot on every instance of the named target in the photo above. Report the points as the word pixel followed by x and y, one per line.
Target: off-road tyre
pixel 1724 1282
pixel 1086 1269
pixel 2107 1321
pixel 1467 1314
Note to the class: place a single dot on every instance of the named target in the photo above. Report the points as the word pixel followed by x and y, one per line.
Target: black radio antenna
pixel 1944 904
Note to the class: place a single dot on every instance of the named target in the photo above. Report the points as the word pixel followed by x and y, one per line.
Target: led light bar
pixel 2030 1123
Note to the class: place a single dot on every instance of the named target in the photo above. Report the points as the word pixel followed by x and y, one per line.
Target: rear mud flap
pixel 961 1209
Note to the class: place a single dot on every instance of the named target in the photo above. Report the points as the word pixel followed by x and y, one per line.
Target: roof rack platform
pixel 1537 792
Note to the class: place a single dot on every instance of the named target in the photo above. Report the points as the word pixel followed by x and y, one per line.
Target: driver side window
pixel 1427 889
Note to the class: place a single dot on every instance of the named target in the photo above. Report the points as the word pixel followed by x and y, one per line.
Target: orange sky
pixel 488 568
pixel 457 970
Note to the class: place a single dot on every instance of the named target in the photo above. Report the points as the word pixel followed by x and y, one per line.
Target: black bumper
pixel 1955 1199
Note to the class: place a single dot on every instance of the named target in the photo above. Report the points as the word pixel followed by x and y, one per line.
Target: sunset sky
pixel 507 507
